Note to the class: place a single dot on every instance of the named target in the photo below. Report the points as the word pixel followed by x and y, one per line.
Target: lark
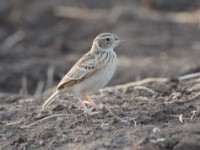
pixel 92 72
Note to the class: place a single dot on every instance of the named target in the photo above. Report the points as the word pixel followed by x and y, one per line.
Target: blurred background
pixel 41 40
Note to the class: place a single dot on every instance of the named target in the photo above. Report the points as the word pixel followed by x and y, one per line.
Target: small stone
pixel 119 141
pixel 41 142
pixel 46 134
pixel 156 130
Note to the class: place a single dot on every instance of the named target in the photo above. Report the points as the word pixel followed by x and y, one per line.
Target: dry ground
pixel 162 41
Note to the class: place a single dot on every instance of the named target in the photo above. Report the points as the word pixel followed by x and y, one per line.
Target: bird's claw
pixel 91 112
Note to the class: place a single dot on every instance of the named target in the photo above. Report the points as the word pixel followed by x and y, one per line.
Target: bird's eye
pixel 107 39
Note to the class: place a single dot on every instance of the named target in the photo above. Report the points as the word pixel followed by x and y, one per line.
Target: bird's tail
pixel 50 99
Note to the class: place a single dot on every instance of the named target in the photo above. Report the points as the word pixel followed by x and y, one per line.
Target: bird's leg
pixel 91 102
pixel 89 111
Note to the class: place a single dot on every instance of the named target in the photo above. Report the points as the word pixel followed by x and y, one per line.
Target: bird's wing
pixel 84 68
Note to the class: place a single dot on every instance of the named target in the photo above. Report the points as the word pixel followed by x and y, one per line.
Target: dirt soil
pixel 162 41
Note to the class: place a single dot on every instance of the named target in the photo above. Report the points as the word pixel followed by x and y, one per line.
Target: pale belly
pixel 96 81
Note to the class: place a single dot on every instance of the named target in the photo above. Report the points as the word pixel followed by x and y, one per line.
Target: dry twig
pixel 125 120
pixel 185 101
pixel 78 13
pixel 184 17
pixel 43 119
pixel 111 15
pixel 39 88
pixel 180 117
pixel 143 98
pixel 189 76
pixel 13 39
pixel 194 88
pixel 145 88
pixel 14 123
pixel 137 83
pixel 195 113
pixel 24 90
pixel 50 73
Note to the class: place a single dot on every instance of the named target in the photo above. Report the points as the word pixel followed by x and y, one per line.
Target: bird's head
pixel 107 41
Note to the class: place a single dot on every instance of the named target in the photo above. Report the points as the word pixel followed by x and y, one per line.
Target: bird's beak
pixel 120 40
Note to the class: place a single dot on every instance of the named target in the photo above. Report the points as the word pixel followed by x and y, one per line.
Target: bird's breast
pixel 106 72
pixel 107 67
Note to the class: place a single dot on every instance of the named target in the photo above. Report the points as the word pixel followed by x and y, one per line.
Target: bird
pixel 91 72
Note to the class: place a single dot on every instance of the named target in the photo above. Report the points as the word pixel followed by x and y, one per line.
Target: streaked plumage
pixel 93 71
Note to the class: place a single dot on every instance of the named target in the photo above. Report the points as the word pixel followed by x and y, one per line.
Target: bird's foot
pixel 91 112
pixel 94 106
